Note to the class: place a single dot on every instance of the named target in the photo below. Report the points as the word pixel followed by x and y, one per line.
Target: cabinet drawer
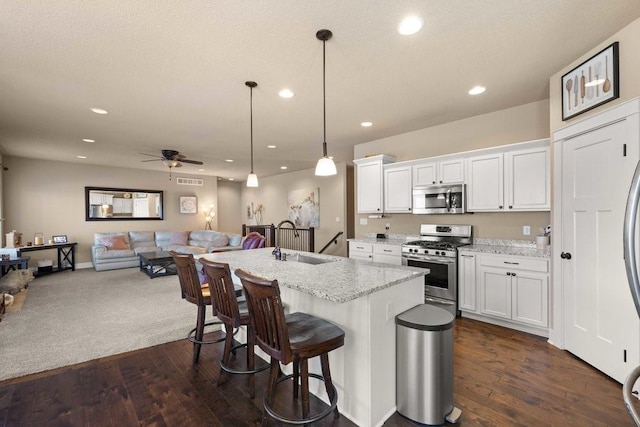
pixel 360 247
pixel 387 249
pixel 516 262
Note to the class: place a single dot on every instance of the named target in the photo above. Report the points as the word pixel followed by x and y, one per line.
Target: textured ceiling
pixel 171 73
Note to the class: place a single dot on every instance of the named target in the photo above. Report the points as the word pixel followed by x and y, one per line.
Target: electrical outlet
pixel 387 226
pixel 389 311
pixel 526 230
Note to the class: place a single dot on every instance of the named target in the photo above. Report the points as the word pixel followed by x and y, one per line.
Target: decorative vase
pixel 258 218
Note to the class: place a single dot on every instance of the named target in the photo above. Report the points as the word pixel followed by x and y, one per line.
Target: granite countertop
pixel 392 239
pixel 507 247
pixel 340 281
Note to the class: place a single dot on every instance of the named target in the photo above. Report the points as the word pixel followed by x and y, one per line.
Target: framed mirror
pixel 118 204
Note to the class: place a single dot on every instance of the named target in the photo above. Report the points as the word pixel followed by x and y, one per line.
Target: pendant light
pixel 252 178
pixel 325 166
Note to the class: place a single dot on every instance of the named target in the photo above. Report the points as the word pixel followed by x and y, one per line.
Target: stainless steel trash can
pixel 424 364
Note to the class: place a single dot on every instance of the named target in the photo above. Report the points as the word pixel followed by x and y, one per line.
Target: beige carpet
pixel 81 315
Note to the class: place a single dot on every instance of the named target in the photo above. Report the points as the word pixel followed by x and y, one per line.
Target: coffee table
pixel 157 264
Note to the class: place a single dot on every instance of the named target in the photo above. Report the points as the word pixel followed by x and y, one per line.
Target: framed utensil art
pixel 592 83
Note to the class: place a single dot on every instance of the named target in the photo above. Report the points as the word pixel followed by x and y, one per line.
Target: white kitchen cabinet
pixel 361 251
pixel 369 179
pixel 514 288
pixel 517 180
pixel 390 254
pixel 397 188
pixel 527 182
pixel 122 206
pixel 467 281
pixel 508 290
pixel 450 171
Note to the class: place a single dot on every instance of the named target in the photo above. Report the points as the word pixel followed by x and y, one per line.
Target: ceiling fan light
pixel 252 180
pixel 170 163
pixel 325 167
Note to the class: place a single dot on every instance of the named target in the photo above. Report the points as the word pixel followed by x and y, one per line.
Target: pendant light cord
pixel 251 120
pixel 324 100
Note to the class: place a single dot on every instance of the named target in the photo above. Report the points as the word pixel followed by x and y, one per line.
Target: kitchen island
pixel 362 298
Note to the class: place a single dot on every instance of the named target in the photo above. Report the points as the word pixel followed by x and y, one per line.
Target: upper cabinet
pixel 369 183
pixel 449 171
pixel 397 188
pixel 517 180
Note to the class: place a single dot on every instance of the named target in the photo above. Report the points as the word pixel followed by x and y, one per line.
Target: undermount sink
pixel 308 259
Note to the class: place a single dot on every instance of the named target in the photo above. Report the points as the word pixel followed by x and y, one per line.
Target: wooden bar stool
pixel 293 338
pixel 233 315
pixel 194 292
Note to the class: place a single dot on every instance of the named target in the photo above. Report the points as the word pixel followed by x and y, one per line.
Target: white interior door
pixel 600 322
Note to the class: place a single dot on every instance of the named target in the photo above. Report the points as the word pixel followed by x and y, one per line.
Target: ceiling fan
pixel 171 159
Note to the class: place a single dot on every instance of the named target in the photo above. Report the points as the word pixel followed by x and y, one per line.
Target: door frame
pixel 625 111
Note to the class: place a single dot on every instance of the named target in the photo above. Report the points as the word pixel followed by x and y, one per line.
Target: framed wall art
pixel 188 204
pixel 59 239
pixel 592 83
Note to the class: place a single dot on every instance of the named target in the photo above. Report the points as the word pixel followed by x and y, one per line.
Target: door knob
pixel 565 255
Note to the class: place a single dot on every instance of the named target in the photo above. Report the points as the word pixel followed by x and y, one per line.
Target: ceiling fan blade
pixel 193 162
pixel 152 160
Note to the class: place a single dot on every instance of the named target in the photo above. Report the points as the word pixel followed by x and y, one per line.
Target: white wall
pixel 518 124
pixel 48 197
pixel 272 194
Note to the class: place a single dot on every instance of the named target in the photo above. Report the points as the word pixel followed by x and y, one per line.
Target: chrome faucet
pixel 286 221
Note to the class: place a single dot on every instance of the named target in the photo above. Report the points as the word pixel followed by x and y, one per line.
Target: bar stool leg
pixel 199 333
pixel 328 383
pixel 296 376
pixel 304 379
pixel 226 356
pixel 271 388
pixel 251 361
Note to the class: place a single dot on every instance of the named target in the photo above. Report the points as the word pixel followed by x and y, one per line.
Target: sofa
pixel 120 249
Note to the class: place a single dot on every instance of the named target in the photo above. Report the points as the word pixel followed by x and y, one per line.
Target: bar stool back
pixel 293 338
pixel 194 292
pixel 233 315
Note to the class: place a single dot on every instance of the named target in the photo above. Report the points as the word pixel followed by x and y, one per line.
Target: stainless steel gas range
pixel 437 250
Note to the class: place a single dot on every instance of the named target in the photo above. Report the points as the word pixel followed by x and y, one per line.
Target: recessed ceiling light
pixel 99 111
pixel 81 157
pixel 285 93
pixel 231 179
pixel 477 90
pixel 89 140
pixel 283 167
pixel 271 146
pixel 410 25
pixel 200 170
pixel 366 124
pixel 228 160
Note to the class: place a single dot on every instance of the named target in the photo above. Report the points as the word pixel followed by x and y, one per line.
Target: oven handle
pixel 439 301
pixel 432 259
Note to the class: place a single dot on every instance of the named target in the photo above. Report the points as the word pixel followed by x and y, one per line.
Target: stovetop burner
pixel 438 240
pixel 428 244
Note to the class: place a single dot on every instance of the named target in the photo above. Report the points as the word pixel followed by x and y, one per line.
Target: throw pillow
pixel 179 238
pixel 114 242
pixel 235 239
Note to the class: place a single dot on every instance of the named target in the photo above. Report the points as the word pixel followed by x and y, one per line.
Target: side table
pixel 12 264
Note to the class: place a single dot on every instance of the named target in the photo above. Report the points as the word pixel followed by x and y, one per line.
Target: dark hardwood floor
pixel 502 378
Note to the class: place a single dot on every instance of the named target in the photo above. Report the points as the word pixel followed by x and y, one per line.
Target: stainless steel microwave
pixel 439 199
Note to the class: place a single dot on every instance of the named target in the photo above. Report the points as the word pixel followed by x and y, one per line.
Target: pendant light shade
pixel 252 178
pixel 325 166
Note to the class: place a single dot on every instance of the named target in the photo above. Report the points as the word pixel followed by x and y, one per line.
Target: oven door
pixel 441 280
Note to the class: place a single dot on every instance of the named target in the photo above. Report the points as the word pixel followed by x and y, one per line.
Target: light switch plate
pixel 526 230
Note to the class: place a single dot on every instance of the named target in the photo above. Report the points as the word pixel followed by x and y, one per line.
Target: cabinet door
pixel 425 173
pixel 451 171
pixel 528 179
pixel 530 298
pixel 369 187
pixel 467 281
pixel 362 256
pixel 390 254
pixel 485 189
pixel 495 290
pixel 387 259
pixel 397 189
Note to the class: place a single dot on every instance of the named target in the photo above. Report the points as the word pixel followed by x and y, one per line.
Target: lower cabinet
pixel 361 251
pixel 512 291
pixel 376 252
